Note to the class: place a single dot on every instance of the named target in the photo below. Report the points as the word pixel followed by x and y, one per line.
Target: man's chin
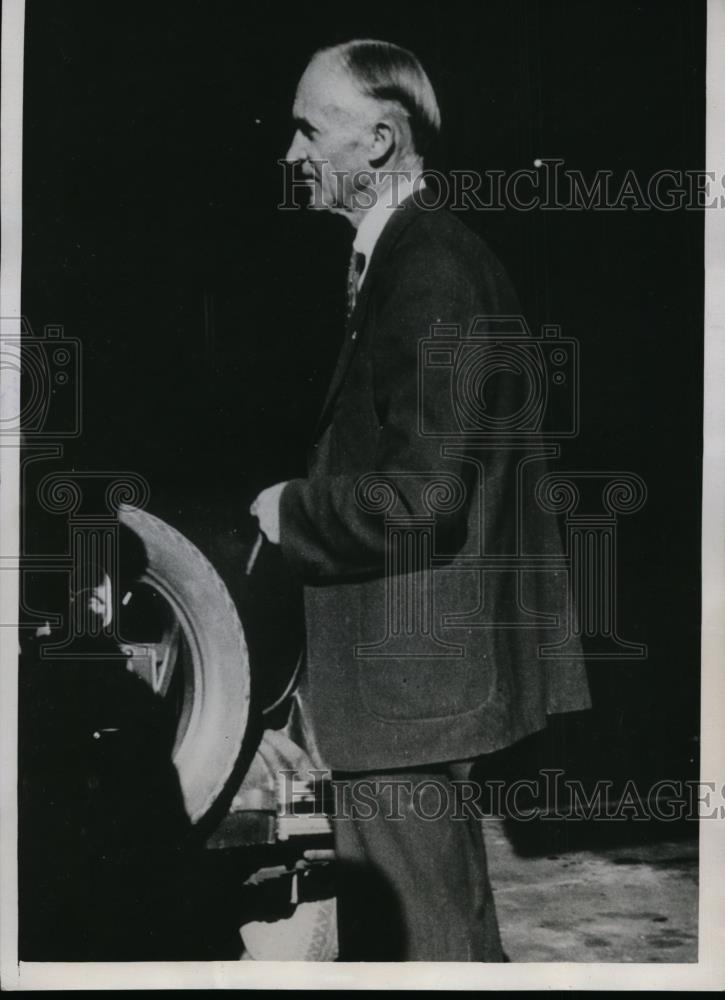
pixel 321 205
pixel 318 201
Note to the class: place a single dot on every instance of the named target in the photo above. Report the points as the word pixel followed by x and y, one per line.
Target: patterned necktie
pixel 355 269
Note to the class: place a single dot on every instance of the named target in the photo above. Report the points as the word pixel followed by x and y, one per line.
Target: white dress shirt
pixel 389 197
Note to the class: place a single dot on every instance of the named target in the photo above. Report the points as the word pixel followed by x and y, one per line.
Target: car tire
pixel 215 713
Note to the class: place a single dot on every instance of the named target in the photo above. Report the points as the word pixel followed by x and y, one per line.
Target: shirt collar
pixel 388 199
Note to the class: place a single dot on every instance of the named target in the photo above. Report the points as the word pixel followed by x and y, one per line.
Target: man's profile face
pixel 333 132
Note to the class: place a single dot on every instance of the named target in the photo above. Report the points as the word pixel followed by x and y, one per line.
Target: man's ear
pixel 384 142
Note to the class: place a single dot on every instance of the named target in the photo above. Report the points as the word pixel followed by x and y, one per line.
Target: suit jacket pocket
pixel 357 631
pixel 419 689
pixel 415 668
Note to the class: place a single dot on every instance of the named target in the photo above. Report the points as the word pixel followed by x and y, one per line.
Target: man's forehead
pixel 327 89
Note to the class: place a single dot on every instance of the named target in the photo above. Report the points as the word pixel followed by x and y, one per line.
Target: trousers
pixel 412 877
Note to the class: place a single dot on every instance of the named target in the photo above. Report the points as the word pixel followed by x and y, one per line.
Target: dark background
pixel 210 320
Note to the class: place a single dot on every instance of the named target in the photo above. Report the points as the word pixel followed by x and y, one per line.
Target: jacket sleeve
pixel 324 530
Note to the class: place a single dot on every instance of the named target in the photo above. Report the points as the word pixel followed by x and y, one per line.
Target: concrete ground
pixel 634 903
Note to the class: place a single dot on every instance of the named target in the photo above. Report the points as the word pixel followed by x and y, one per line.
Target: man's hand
pixel 266 509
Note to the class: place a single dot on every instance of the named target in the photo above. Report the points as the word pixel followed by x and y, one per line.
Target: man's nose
pixel 297 151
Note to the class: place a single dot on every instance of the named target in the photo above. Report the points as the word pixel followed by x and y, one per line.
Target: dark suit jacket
pixel 480 683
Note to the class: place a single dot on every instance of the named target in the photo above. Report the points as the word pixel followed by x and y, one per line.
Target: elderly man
pixel 414 670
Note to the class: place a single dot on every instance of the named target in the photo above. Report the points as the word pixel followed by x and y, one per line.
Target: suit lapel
pixel 399 220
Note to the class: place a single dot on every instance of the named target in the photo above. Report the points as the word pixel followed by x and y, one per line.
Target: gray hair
pixel 387 72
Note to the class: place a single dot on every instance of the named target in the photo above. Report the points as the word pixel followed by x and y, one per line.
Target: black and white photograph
pixel 360 590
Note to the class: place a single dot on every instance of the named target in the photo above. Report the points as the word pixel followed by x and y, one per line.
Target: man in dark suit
pixel 423 641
